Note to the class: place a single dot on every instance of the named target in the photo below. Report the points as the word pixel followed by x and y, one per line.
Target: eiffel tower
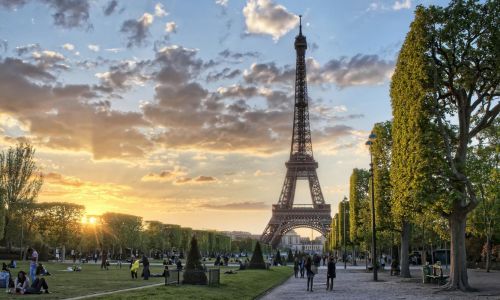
pixel 300 166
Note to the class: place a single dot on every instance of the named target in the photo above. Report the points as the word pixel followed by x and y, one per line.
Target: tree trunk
pixel 405 245
pixel 354 256
pixel 488 252
pixel 458 264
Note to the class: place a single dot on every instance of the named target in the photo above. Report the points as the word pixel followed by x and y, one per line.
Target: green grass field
pixel 246 284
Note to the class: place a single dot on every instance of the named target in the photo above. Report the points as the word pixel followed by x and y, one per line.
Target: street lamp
pixel 369 143
pixel 344 201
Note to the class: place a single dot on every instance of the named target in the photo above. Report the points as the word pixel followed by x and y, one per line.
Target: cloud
pixel 21 50
pixel 94 48
pixel 223 3
pixel 197 180
pixel 68 47
pixel 110 7
pixel 403 4
pixel 160 10
pixel 11 4
pixel 243 206
pixel 59 179
pixel 170 27
pixel 68 117
pixel 123 75
pixel 4 44
pixel 238 55
pixel 137 31
pixel 266 17
pixel 164 176
pixel 269 73
pixel 69 13
pixel 50 59
pixel 225 73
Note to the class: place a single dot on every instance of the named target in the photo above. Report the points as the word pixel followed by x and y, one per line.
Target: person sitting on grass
pixel 6 280
pixel 21 283
pixel 12 264
pixel 40 269
pixel 134 268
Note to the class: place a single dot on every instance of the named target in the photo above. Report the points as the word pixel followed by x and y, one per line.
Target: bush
pixel 194 272
pixel 290 255
pixel 277 259
pixel 257 261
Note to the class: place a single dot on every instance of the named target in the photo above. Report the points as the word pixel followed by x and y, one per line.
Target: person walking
pixel 104 260
pixel 145 270
pixel 134 267
pixel 331 274
pixel 296 267
pixel 310 274
pixel 302 267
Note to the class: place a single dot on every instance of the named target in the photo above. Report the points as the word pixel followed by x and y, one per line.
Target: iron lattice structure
pixel 300 166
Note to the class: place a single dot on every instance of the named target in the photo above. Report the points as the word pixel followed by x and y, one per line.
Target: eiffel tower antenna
pixel 300 166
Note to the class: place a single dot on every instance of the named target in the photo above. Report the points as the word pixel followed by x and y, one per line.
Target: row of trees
pixel 25 222
pixel 436 164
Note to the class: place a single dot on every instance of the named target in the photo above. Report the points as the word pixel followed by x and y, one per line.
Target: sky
pixel 182 111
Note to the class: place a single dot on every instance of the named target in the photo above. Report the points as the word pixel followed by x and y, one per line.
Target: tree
pixel 358 195
pixel 257 260
pixel 381 152
pixel 463 48
pixel 412 146
pixel 20 182
pixel 483 167
pixel 277 258
pixel 194 272
pixel 121 230
pixel 59 222
pixel 290 255
pixel 344 213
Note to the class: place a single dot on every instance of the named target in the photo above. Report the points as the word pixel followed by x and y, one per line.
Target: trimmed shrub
pixel 257 261
pixel 194 272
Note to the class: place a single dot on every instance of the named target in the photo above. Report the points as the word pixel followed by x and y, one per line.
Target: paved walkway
pixel 356 283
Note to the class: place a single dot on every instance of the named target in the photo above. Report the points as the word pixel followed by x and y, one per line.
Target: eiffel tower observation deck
pixel 300 166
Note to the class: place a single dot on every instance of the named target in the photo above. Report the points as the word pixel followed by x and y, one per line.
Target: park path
pixel 115 292
pixel 355 283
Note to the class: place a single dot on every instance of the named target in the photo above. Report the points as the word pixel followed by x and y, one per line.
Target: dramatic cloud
pixel 360 69
pixel 244 206
pixel 68 116
pixel 123 75
pixel 110 7
pixel 266 17
pixel 403 4
pixel 137 31
pixel 170 27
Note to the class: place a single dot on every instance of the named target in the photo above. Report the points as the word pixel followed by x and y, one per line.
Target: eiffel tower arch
pixel 300 166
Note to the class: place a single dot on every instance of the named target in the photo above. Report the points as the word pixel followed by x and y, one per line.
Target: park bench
pixel 436 274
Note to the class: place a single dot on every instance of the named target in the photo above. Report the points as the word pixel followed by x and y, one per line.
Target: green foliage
pixel 343 212
pixel 412 151
pixel 358 195
pixel 277 257
pixel 20 182
pixel 194 272
pixel 257 261
pixel 381 152
pixel 121 230
pixel 290 256
pixel 59 222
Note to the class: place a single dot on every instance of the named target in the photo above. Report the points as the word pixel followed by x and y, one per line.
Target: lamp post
pixel 369 143
pixel 344 237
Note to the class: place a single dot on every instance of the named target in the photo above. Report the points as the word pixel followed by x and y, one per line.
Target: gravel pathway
pixel 356 283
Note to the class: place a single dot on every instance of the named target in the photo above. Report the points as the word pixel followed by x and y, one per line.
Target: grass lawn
pixel 62 284
pixel 247 284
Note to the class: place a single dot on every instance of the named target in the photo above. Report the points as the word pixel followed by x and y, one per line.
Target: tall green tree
pixel 464 48
pixel 381 152
pixel 358 195
pixel 20 182
pixel 121 231
pixel 344 222
pixel 412 151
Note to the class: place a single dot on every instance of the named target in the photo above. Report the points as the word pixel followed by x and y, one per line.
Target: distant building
pixel 238 235
pixel 291 240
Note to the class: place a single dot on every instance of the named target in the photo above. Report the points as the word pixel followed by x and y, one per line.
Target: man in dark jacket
pixel 330 274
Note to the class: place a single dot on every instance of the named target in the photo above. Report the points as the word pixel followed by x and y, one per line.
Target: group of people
pixel 309 267
pixel 32 283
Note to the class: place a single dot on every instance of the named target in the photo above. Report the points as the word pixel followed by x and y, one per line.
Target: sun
pixel 92 220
